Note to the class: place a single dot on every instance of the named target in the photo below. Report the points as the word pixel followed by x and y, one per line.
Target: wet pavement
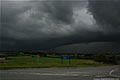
pixel 59 73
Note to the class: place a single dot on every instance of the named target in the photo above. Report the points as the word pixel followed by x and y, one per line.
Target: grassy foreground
pixel 45 62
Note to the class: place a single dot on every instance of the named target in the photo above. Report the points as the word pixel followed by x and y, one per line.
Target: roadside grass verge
pixel 45 62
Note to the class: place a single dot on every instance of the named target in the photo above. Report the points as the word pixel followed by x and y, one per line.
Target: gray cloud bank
pixel 43 25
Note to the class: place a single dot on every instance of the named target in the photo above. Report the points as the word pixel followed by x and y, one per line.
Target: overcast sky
pixel 49 24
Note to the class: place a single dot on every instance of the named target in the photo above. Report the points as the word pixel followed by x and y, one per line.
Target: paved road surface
pixel 59 73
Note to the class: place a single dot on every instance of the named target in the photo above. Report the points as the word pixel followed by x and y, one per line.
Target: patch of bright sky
pixel 82 16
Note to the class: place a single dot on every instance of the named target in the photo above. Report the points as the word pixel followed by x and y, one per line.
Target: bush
pixel 108 59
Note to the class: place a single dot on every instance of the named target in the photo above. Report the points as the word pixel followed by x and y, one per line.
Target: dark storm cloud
pixel 20 18
pixel 35 25
pixel 58 10
pixel 106 13
pixel 10 10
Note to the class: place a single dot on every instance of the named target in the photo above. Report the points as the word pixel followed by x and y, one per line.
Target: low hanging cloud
pixel 38 25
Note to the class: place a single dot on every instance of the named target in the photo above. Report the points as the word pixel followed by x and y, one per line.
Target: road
pixel 59 73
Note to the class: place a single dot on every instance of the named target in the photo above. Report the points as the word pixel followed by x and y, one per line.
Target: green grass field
pixel 45 62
